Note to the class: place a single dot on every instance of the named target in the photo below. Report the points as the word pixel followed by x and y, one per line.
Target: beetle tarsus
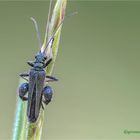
pixel 51 78
pixel 24 75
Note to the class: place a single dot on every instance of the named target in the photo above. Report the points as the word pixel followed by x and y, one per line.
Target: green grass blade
pixel 20 119
pixel 57 17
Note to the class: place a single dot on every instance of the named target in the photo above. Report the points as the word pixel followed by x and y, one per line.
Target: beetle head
pixel 40 58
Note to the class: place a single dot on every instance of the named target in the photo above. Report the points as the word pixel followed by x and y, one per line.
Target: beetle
pixel 37 92
pixel 37 81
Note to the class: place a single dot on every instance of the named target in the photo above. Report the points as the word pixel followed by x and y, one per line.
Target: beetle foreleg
pixel 23 89
pixel 47 63
pixel 47 94
pixel 49 55
pixel 30 63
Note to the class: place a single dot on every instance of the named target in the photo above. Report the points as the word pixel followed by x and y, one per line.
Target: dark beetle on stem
pixel 37 80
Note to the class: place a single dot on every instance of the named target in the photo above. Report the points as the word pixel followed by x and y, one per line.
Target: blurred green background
pixel 98 66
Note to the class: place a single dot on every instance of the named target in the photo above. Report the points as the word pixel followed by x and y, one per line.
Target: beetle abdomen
pixel 36 83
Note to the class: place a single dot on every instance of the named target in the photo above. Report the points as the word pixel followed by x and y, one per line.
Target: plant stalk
pixel 24 130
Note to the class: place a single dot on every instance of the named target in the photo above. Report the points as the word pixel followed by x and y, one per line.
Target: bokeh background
pixel 98 66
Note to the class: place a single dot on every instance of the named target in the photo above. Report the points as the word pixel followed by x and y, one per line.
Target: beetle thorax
pixel 38 65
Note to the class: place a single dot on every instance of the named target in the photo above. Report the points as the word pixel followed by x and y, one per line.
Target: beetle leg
pixel 23 89
pixel 47 94
pixel 51 78
pixel 50 58
pixel 23 75
pixel 30 63
pixel 47 63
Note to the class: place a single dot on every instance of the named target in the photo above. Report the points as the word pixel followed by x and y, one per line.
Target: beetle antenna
pixel 37 30
pixel 48 20
pixel 52 37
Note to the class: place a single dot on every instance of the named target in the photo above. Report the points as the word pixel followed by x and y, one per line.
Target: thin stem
pixel 24 130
